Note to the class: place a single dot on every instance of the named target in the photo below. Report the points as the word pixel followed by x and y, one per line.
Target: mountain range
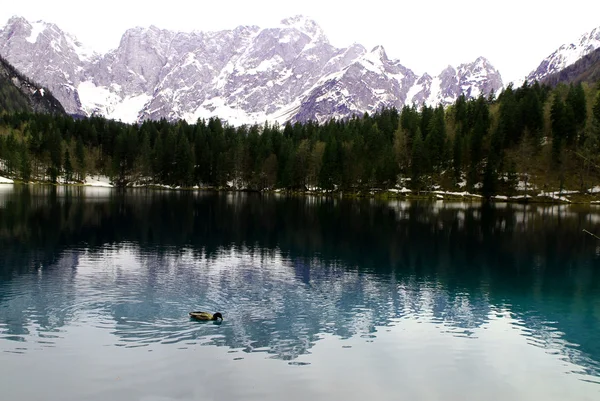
pixel 248 74
pixel 245 75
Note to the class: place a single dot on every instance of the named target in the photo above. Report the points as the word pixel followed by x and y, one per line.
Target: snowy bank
pixel 4 180
pixel 100 181
pixel 460 194
pixel 403 190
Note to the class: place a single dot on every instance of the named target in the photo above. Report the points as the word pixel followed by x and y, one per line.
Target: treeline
pixel 482 144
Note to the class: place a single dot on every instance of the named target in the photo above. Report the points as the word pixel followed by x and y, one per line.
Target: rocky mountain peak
pixel 449 71
pixel 305 25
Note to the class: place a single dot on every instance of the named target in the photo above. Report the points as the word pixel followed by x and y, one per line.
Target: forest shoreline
pixel 377 194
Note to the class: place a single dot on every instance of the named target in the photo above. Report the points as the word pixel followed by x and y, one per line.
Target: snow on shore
pixel 4 180
pixel 99 181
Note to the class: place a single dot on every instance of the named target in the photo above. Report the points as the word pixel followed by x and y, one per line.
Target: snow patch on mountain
pixel 95 99
pixel 101 100
pixel 128 109
pixel 36 28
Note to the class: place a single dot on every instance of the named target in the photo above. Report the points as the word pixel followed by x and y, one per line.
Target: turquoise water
pixel 323 299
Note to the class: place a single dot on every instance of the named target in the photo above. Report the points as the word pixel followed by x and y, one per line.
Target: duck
pixel 206 316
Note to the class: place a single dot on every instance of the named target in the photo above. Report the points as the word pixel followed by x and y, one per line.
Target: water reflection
pixel 288 271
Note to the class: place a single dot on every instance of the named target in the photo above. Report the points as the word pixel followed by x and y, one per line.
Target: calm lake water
pixel 322 298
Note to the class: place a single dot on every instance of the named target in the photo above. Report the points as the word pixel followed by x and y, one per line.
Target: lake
pixel 322 298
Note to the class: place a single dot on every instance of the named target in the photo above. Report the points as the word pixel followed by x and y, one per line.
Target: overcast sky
pixel 426 36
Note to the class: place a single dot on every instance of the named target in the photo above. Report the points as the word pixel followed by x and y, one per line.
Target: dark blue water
pixel 322 298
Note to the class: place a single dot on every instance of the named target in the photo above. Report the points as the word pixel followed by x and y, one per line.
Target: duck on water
pixel 206 316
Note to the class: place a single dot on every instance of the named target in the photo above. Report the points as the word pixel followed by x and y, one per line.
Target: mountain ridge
pixel 586 69
pixel 248 74
pixel 566 55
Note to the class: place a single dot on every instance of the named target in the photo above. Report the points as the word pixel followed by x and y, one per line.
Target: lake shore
pixel 556 197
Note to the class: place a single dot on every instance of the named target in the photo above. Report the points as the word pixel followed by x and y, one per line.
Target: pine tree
pixel 25 164
pixel 68 167
pixel 533 116
pixel 426 116
pixel 419 162
pixel 269 171
pixel 157 158
pixel 509 114
pixel 184 163
pixel 558 115
pixel 576 100
pixel 591 145
pixel 329 168
pixel 80 158
pixel 145 158
pixel 435 141
pixel 457 156
pixel 409 121
pixel 55 148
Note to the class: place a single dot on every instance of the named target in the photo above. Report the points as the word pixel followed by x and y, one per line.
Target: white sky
pixel 426 36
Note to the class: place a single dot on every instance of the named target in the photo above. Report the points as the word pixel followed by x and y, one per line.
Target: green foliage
pixel 489 139
pixel 560 128
pixel 419 161
pixel 68 167
pixel 435 140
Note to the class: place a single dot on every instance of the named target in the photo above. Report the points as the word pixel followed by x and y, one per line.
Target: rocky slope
pixel 19 94
pixel 586 69
pixel 566 55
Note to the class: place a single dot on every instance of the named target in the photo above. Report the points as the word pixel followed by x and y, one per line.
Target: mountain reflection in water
pixel 287 271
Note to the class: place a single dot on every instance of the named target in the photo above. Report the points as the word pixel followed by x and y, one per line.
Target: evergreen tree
pixel 559 128
pixel 269 171
pixel 80 158
pixel 591 145
pixel 157 158
pixel 25 164
pixel 532 116
pixel 68 167
pixel 426 116
pixel 419 161
pixel 457 156
pixel 55 149
pixel 509 116
pixel 329 168
pixel 435 140
pixel 409 121
pixel 145 157
pixel 576 100
pixel 184 163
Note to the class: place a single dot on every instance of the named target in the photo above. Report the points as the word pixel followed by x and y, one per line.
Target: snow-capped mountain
pixel 246 75
pixel 566 55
